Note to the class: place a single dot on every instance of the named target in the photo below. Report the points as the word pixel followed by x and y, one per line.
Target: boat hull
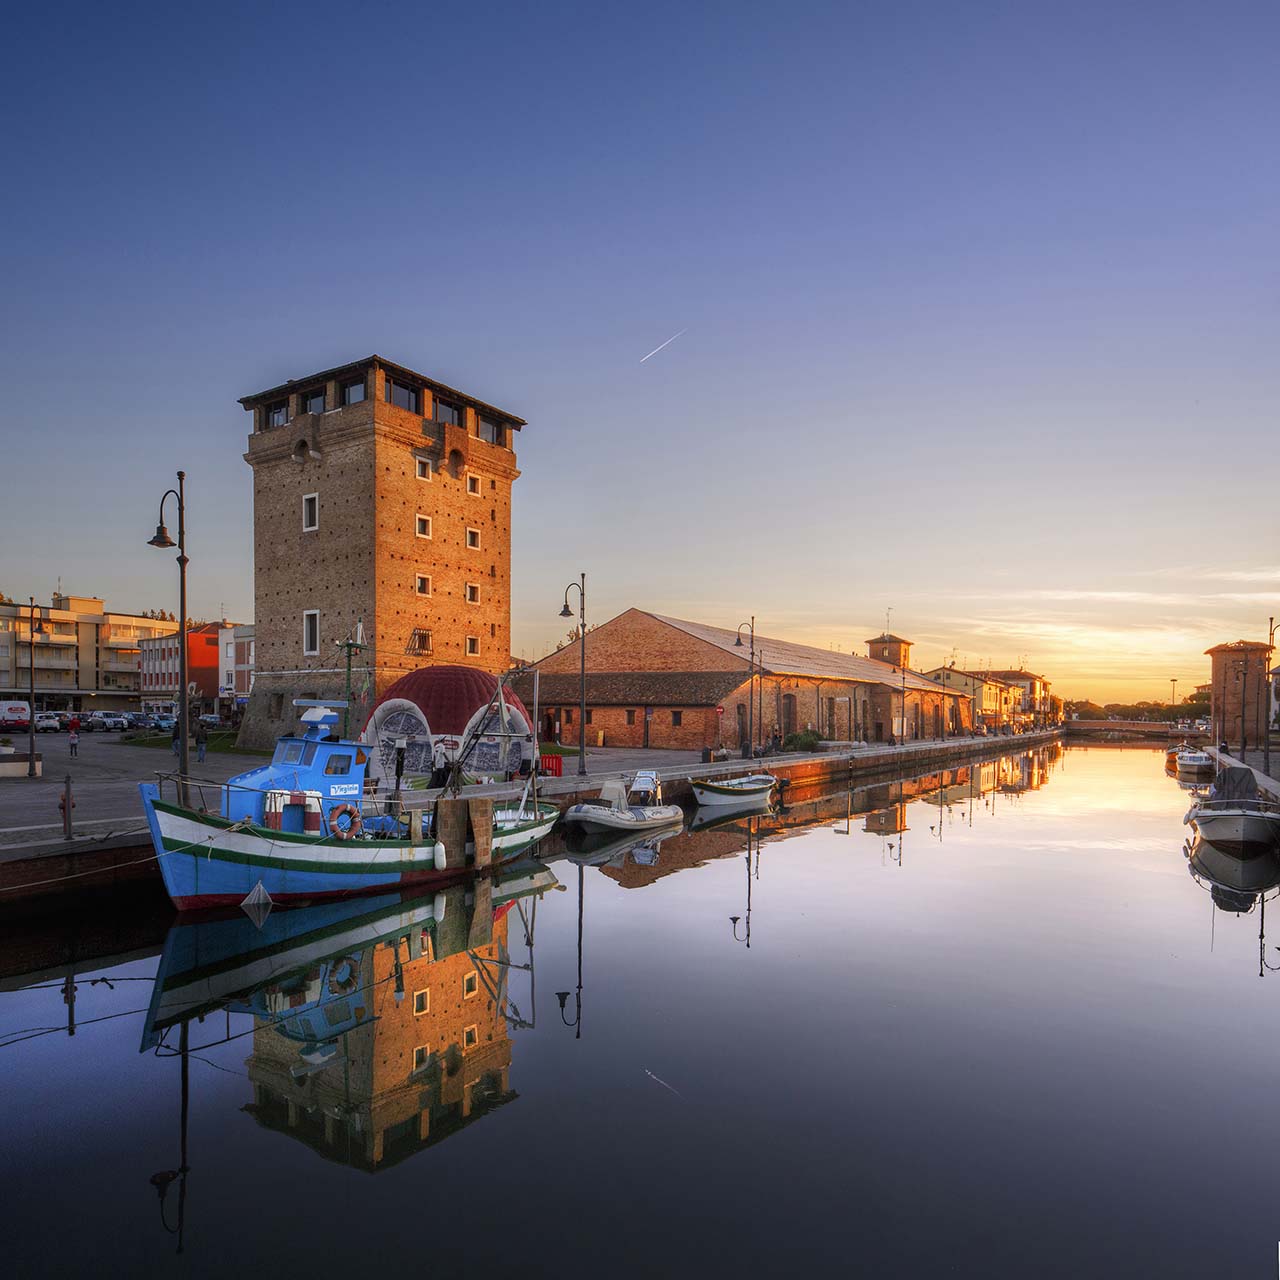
pixel 1237 829
pixel 598 817
pixel 732 792
pixel 209 861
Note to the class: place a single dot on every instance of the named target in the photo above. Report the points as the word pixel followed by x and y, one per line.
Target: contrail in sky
pixel 668 342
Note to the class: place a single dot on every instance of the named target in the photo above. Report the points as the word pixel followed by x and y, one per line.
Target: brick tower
pixel 890 648
pixel 1239 692
pixel 382 497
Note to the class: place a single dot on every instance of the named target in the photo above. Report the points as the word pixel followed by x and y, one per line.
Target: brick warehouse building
pixel 654 681
pixel 380 498
pixel 1239 691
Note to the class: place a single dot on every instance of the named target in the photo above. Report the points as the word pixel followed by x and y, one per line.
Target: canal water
pixel 981 1023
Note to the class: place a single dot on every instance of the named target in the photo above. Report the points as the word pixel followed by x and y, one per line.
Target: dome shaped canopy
pixel 442 705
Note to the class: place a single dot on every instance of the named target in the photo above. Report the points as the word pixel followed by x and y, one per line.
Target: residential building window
pixel 421 1056
pixel 311 632
pixel 448 413
pixel 352 391
pixel 568 715
pixel 677 718
pixel 422 584
pixel 470 985
pixel 473 539
pixel 313 401
pixel 424 468
pixel 310 512
pixel 489 430
pixel 422 526
pixel 588 715
pixel 473 646
pixel 470 1037
pixel 421 1002
pixel 419 642
pixel 277 413
pixel 473 484
pixel 473 593
pixel 403 396
pixel 631 716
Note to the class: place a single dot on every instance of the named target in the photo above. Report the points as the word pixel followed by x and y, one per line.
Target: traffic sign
pixel 719 711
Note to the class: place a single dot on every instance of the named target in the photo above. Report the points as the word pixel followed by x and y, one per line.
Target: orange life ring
pixel 353 826
pixel 344 986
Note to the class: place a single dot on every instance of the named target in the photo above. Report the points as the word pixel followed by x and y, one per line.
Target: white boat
pixel 732 791
pixel 1232 816
pixel 637 808
pixel 1195 762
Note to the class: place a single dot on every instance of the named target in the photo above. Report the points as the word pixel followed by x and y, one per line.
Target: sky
pixel 977 303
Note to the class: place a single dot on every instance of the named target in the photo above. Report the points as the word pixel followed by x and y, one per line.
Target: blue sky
pixel 979 299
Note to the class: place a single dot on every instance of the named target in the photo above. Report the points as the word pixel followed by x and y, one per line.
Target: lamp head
pixel 566 612
pixel 562 996
pixel 162 538
pixel 738 641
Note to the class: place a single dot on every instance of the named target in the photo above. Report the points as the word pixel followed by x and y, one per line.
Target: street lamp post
pixel 566 612
pixel 163 540
pixel 751 684
pixel 37 628
pixel 1266 727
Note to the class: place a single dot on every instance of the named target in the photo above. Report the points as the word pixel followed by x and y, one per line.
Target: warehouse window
pixel 677 718
pixel 631 716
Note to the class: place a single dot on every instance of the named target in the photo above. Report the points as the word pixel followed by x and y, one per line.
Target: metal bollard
pixel 67 805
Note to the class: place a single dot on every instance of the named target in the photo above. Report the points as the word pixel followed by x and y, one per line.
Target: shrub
pixel 807 740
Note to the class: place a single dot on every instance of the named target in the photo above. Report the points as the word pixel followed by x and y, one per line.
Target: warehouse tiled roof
pixel 786 658
pixel 632 688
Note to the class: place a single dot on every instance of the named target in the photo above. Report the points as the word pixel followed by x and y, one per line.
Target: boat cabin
pixel 308 776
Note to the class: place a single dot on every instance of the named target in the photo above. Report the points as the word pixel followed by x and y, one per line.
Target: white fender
pixel 440 855
pixel 437 907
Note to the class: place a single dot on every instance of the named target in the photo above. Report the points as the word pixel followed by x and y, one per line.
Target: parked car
pixel 137 720
pixel 15 715
pixel 163 724
pixel 211 721
pixel 111 720
pixel 47 722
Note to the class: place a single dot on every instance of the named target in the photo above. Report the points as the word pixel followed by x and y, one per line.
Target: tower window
pixel 470 1037
pixel 470 985
pixel 310 512
pixel 277 413
pixel 311 632
pixel 490 431
pixel 403 396
pixel 473 646
pixel 448 413
pixel 422 526
pixel 421 1055
pixel 473 484
pixel 419 642
pixel 421 1002
pixel 473 593
pixel 313 401
pixel 352 391
pixel 422 584
pixel 423 467
pixel 473 539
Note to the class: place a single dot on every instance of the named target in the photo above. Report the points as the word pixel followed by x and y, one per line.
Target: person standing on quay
pixel 202 741
pixel 174 743
pixel 73 738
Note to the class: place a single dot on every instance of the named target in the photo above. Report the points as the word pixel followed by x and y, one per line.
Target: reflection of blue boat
pixel 303 965
pixel 300 827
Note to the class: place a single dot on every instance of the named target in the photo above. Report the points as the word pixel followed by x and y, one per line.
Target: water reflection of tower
pixel 391 1048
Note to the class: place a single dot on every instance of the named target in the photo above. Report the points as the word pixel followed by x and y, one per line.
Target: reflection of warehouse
pixel 390 1049
pixel 654 681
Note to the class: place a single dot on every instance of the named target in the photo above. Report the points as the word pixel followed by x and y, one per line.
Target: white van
pixel 15 715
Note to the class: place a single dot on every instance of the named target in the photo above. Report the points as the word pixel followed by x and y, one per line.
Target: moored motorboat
pixel 1233 817
pixel 635 808
pixel 733 791
pixel 303 828
pixel 1193 762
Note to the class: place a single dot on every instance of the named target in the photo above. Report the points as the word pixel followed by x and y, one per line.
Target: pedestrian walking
pixel 174 743
pixel 202 741
pixel 73 740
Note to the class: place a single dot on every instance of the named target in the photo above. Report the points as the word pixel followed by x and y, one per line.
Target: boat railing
pixel 1246 806
pixel 205 794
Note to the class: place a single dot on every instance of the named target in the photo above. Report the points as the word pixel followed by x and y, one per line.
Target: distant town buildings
pixel 655 681
pixel 159 663
pixel 87 657
pixel 382 514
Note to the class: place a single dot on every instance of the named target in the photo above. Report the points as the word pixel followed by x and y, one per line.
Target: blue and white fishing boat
pixel 303 828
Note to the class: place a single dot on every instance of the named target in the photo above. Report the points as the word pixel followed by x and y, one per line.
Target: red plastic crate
pixel 552 766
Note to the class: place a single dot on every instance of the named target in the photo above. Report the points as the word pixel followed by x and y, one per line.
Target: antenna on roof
pixel 887 614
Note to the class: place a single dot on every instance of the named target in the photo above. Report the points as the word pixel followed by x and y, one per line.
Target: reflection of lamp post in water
pixel 734 920
pixel 162 1180
pixel 563 996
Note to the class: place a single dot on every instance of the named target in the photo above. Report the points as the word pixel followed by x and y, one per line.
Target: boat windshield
pixel 301 753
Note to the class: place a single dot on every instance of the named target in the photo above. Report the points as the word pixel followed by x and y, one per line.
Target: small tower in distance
pixel 887 647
